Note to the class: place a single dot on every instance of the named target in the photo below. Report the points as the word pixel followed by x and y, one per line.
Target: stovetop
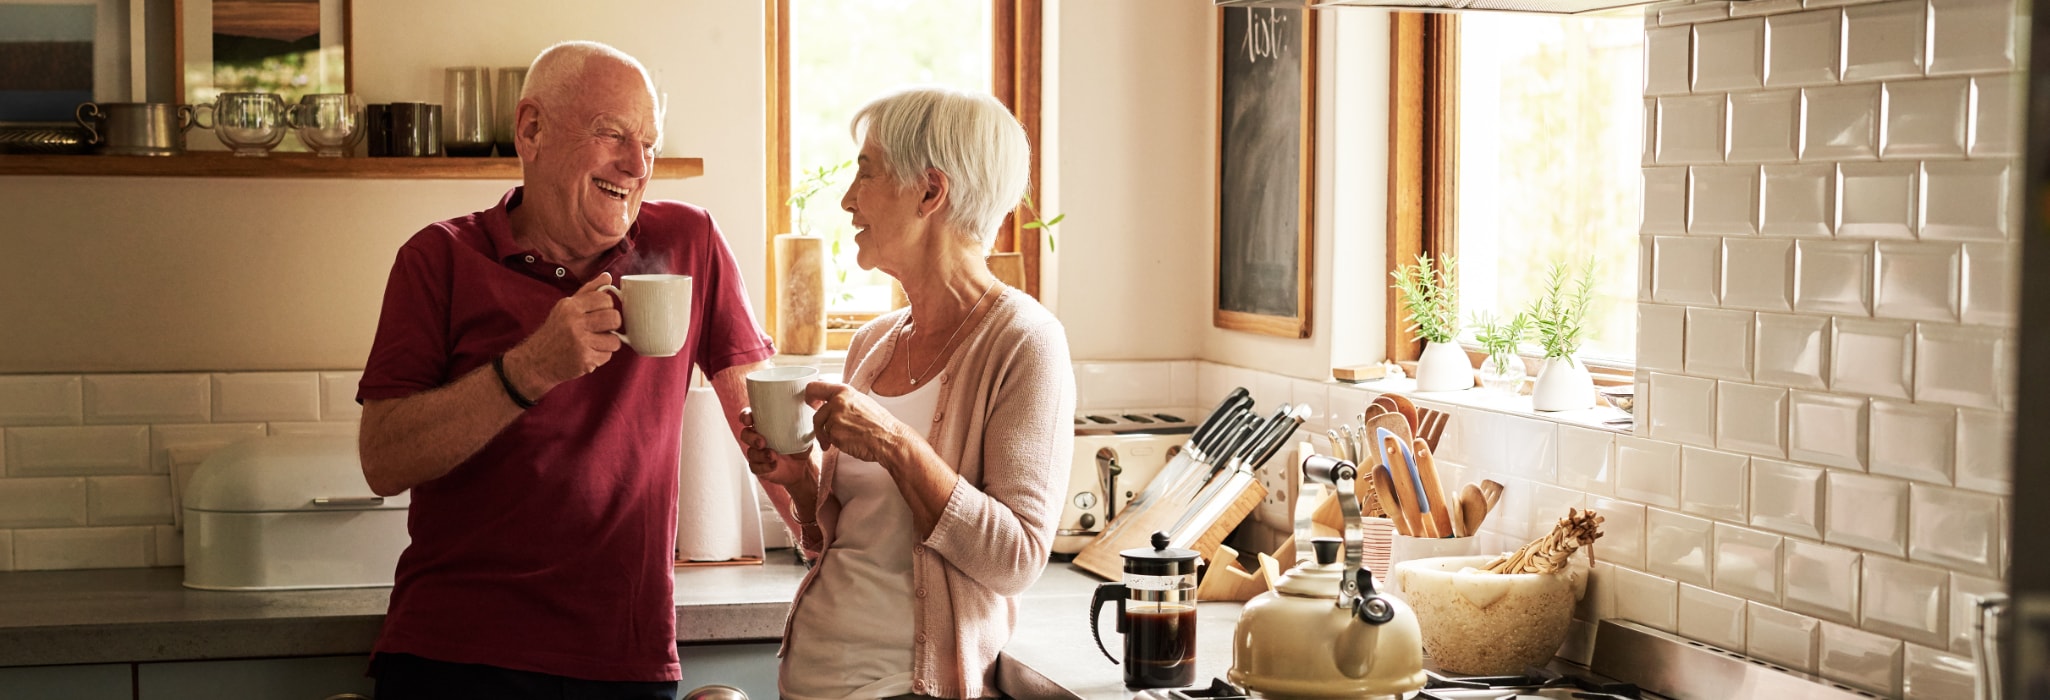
pixel 1537 683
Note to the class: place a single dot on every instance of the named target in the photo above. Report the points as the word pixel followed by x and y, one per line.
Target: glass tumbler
pixel 330 124
pixel 510 82
pixel 251 123
pixel 466 119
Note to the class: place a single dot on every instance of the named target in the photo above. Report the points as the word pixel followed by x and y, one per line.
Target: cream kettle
pixel 1324 632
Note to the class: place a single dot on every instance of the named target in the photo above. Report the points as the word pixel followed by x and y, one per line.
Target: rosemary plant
pixel 1430 293
pixel 1559 315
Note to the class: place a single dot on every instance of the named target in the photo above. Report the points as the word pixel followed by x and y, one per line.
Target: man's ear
pixel 526 125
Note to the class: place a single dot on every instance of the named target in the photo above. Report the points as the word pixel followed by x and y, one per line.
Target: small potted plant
pixel 1430 294
pixel 1559 319
pixel 1500 338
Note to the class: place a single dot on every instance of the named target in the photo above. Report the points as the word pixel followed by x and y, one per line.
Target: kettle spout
pixel 1354 650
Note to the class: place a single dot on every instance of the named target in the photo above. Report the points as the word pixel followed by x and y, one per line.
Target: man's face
pixel 593 157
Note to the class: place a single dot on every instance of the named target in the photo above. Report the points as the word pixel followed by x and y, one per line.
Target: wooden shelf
pixel 297 165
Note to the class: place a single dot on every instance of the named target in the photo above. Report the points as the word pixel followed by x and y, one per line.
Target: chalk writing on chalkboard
pixel 1263 184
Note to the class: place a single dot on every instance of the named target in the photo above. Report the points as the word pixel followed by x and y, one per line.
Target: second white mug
pixel 656 312
pixel 782 415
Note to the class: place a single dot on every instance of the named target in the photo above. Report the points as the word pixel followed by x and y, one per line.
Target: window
pixel 1527 150
pixel 827 58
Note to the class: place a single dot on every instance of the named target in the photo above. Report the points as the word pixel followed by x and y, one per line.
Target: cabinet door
pixel 749 667
pixel 309 678
pixel 94 682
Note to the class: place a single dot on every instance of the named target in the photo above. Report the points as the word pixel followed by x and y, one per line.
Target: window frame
pixel 1015 65
pixel 1423 171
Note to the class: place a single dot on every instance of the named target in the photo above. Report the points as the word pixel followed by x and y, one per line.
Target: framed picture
pixel 1266 163
pixel 58 54
pixel 288 47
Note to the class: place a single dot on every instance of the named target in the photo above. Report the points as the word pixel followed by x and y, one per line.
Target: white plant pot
pixel 1562 385
pixel 1443 367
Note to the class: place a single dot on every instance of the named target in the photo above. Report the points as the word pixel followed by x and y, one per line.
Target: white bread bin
pixel 289 512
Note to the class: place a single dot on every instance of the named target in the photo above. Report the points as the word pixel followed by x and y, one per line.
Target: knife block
pixel 1101 556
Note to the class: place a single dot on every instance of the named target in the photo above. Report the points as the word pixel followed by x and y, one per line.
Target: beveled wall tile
pixel 1955 529
pixel 146 398
pixel 1925 119
pixel 1647 599
pixel 1792 350
pixel 1181 372
pixel 1983 438
pixel 1661 336
pixel 1781 637
pixel 1803 48
pixel 1860 659
pixel 1965 200
pixel 78 451
pixel 41 399
pixel 1929 674
pixel 1876 200
pixel 1548 504
pixel 1315 395
pixel 1668 56
pixel 1682 410
pixel 1722 199
pixel 1884 40
pixel 130 500
pixel 1647 255
pixel 1961 365
pixel 1719 343
pixel 1798 200
pixel 1823 581
pixel 199 438
pixel 1765 127
pixel 1787 498
pixel 1648 471
pixel 1755 8
pixel 1622 543
pixel 1712 483
pixel 54 502
pixel 1989 284
pixel 1906 601
pixel 6 551
pixel 1694 12
pixel 1665 200
pixel 1918 281
pixel 1867 512
pixel 1872 357
pixel 1751 419
pixel 320 428
pixel 1587 460
pixel 1729 55
pixel 1995 123
pixel 1913 441
pixel 1965 593
pixel 1833 277
pixel 1970 36
pixel 1712 618
pixel 261 396
pixel 1826 429
pixel 170 546
pixel 1758 274
pixel 1099 385
pixel 1686 270
pixel 338 394
pixel 1690 129
pixel 82 548
pixel 1840 123
pixel 1747 563
pixel 1529 447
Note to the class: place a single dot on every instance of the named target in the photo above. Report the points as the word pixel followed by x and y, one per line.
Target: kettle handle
pixel 87 114
pixel 1107 591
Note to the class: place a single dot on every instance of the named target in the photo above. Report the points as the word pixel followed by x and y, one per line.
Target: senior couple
pixel 542 455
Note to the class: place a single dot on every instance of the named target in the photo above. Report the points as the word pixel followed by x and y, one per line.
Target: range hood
pixel 1548 7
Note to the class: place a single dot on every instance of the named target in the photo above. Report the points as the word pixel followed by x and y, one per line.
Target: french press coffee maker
pixel 1156 613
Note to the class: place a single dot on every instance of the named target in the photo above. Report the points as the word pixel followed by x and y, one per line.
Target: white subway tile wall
pixel 88 480
pixel 1711 617
pixel 1860 659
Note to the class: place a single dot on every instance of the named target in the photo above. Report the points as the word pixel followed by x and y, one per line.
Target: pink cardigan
pixel 1006 423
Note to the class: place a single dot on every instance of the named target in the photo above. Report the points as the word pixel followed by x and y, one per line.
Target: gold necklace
pixel 915 378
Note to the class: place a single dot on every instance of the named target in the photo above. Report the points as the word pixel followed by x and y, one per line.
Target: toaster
pixel 1117 452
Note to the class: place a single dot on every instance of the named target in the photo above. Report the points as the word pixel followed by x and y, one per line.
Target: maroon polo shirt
pixel 551 549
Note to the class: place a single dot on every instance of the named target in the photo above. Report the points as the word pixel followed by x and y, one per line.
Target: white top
pixel 852 633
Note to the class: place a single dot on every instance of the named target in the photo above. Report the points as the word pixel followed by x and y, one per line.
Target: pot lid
pixel 1159 559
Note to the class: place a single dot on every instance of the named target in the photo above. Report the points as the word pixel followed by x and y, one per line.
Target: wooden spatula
pixel 1427 471
pixel 1384 488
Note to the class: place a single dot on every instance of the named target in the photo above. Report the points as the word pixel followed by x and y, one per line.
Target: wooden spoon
pixel 1384 489
pixel 1427 471
pixel 1473 508
pixel 1407 409
pixel 1493 491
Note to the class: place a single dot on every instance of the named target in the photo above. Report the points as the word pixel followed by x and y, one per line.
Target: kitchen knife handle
pixel 1217 415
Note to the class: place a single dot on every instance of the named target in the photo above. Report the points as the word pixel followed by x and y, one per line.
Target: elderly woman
pixel 933 504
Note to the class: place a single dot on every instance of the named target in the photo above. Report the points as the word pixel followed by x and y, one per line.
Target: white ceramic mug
pixel 656 311
pixel 782 415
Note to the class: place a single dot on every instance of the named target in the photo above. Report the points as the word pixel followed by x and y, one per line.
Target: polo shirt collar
pixel 498 229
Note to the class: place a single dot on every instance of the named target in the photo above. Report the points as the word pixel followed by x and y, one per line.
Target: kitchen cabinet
pixel 89 682
pixel 306 678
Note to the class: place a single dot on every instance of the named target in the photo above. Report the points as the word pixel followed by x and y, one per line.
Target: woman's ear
pixel 936 189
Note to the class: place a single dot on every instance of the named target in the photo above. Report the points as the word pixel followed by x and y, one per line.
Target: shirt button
pixel 530 258
pixel 560 272
pixel 921 640
pixel 921 593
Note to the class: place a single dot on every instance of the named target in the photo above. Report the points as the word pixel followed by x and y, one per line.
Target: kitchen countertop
pixel 143 615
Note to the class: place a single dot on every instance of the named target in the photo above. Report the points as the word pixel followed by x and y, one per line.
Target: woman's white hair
pixel 558 72
pixel 969 136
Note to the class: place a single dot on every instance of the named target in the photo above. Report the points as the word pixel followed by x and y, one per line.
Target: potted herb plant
pixel 1430 294
pixel 802 259
pixel 1559 319
pixel 1502 370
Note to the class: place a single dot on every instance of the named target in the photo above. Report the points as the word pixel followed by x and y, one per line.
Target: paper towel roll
pixel 715 510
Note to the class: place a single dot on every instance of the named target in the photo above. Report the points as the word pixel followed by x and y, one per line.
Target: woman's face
pixel 889 232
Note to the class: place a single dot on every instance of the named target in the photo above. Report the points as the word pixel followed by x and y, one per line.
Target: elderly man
pixel 541 452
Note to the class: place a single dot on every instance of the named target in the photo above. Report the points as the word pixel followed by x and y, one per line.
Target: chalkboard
pixel 1266 80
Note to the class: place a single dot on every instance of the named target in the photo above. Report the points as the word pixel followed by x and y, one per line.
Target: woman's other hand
pixel 772 466
pixel 854 423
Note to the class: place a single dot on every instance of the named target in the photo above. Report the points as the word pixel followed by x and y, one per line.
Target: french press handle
pixel 1104 592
